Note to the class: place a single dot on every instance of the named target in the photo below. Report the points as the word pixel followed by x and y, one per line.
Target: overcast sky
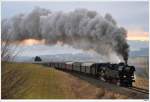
pixel 131 15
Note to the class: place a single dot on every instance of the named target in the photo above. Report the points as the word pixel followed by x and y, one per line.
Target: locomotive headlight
pixel 120 68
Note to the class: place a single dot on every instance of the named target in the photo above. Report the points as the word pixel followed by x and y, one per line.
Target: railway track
pixel 133 88
pixel 145 91
pixel 134 92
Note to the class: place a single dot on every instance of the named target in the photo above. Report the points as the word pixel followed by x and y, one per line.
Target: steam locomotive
pixel 120 74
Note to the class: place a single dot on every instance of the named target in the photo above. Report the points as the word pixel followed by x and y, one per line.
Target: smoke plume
pixel 81 28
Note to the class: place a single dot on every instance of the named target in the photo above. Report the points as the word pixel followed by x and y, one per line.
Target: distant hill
pixel 65 53
pixel 138 48
pixel 137 45
pixel 141 52
pixel 61 57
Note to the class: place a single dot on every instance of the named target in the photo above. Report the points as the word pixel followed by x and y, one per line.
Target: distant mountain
pixel 138 48
pixel 23 59
pixel 81 57
pixel 141 52
pixel 67 53
pixel 136 45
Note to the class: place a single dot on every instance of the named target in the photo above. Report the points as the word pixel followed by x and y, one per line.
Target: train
pixel 120 74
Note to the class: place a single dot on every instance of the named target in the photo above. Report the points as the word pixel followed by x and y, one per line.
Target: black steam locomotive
pixel 120 74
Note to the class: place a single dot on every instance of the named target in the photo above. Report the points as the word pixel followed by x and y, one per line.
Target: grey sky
pixel 131 15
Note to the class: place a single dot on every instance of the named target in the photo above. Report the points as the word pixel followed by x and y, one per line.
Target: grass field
pixel 30 81
pixel 141 64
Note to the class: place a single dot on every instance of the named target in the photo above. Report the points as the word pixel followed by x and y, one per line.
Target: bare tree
pixel 6 53
pixel 4 40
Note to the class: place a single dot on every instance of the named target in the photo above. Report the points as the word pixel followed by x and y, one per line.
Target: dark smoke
pixel 82 29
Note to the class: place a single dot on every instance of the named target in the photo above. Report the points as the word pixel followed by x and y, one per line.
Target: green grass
pixel 30 81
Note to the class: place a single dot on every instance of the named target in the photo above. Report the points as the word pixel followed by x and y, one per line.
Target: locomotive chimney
pixel 126 60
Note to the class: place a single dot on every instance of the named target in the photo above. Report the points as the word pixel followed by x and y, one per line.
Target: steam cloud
pixel 82 29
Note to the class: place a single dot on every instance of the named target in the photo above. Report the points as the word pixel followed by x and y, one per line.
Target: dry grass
pixel 30 81
pixel 142 71
pixel 141 83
